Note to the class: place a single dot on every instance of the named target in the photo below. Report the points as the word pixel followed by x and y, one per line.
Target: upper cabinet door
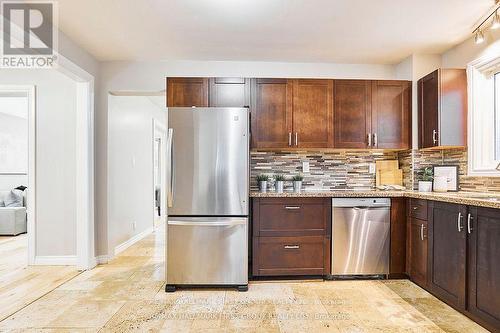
pixel 312 113
pixel 229 92
pixel 428 105
pixel 352 113
pixel 271 117
pixel 442 108
pixel 391 114
pixel 186 92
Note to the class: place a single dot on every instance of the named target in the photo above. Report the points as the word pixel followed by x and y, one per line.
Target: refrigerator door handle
pixel 170 193
pixel 208 224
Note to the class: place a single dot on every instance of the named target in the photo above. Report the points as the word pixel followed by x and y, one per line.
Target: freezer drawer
pixel 207 251
pixel 360 240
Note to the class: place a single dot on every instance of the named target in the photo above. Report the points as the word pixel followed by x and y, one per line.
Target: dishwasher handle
pixel 370 208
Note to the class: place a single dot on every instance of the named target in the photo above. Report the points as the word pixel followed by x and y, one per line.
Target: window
pixel 484 117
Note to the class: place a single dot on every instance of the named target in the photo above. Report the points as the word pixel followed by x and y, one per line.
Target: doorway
pixel 17 177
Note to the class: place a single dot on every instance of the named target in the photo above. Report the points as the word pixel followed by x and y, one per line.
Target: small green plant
pixel 262 178
pixel 427 174
pixel 298 178
pixel 279 178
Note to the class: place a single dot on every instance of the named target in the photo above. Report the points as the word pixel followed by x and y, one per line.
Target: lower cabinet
pixel 447 245
pixel 463 259
pixel 417 239
pixel 483 296
pixel 291 236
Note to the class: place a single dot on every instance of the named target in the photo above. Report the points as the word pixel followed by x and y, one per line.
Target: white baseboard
pixel 55 260
pixel 125 245
pixel 104 259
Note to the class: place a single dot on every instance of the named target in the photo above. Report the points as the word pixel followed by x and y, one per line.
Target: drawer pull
pixel 415 208
pixel 292 207
pixel 292 247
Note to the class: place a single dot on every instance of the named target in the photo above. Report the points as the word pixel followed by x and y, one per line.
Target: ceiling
pixel 343 31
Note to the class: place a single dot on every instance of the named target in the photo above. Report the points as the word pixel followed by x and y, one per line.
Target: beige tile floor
pixel 128 295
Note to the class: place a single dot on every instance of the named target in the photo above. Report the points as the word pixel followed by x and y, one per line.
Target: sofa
pixel 12 219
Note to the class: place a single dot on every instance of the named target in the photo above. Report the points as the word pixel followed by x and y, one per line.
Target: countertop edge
pixel 453 197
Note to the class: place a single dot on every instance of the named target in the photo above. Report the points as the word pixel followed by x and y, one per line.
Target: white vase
pixel 278 186
pixel 297 186
pixel 263 186
pixel 424 186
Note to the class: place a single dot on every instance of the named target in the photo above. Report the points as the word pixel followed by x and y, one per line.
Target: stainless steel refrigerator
pixel 207 196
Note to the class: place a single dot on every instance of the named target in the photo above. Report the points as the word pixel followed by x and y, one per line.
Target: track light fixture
pixel 479 37
pixel 495 24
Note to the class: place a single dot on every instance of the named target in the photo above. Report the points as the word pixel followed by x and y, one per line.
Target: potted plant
pixel 297 183
pixel 279 180
pixel 425 185
pixel 262 180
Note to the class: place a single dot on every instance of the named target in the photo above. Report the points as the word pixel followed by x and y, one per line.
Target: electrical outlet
pixel 305 166
pixel 134 225
pixel 371 168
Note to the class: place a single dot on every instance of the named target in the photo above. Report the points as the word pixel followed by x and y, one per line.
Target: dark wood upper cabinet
pixel 352 113
pixel 313 113
pixel 372 114
pixel 442 109
pixel 483 229
pixel 447 252
pixel 391 114
pixel 186 92
pixel 229 92
pixel 271 113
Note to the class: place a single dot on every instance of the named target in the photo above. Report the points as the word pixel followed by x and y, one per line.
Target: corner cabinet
pixel 442 109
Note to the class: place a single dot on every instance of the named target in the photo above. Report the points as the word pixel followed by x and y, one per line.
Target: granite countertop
pixel 465 198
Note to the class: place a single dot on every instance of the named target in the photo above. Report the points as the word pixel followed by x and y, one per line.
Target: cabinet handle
pixel 296 138
pixel 369 139
pixel 434 137
pixel 469 223
pixel 459 226
pixel 422 231
pixel 292 247
pixel 375 139
pixel 289 139
pixel 292 207
pixel 415 208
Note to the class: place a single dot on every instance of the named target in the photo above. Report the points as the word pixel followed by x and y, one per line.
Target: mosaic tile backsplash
pixel 339 170
pixel 422 159
pixel 349 170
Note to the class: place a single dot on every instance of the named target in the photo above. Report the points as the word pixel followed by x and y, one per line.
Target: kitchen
pixel 339 221
pixel 275 166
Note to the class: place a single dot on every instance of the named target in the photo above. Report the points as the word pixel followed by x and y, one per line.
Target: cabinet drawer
pixel 418 208
pixel 292 217
pixel 290 255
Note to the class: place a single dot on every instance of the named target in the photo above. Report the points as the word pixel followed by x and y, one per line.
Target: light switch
pixel 305 166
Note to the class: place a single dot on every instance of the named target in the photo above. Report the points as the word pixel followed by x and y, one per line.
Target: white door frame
pixel 85 244
pixel 30 92
pixel 160 130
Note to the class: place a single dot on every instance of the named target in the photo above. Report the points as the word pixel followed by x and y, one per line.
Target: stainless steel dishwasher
pixel 360 236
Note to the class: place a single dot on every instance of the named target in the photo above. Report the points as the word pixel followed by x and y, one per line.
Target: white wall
pixel 460 55
pixel 130 164
pixel 56 164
